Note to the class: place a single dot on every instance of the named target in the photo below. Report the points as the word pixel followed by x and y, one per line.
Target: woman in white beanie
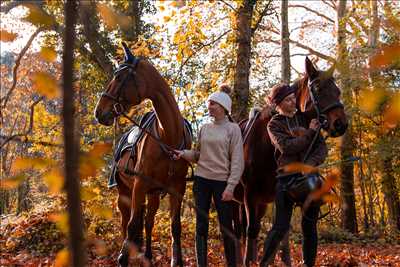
pixel 220 164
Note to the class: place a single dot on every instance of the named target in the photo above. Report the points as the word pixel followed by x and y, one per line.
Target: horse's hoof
pixel 123 260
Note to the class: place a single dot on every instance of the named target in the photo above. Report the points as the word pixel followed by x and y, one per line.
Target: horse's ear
pixel 303 96
pixel 311 71
pixel 129 57
pixel 331 70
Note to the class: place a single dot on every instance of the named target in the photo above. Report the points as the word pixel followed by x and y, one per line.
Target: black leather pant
pixel 204 190
pixel 283 214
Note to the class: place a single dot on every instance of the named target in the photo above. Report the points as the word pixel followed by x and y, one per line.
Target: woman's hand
pixel 227 195
pixel 314 124
pixel 178 154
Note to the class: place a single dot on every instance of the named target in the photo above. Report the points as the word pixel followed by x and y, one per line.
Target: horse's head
pixel 318 91
pixel 126 89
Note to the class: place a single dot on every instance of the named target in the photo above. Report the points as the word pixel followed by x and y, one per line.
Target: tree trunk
pixel 23 202
pixel 71 142
pixel 391 193
pixel 242 72
pixel 349 216
pixel 285 52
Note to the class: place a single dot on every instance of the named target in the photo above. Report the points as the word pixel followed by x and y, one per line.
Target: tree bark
pixel 349 215
pixel 241 81
pixel 285 52
pixel 71 142
pixel 390 192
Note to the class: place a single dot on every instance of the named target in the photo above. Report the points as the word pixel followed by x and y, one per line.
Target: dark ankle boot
pixel 230 252
pixel 201 251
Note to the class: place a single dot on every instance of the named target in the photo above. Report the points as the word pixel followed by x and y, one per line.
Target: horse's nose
pixel 340 127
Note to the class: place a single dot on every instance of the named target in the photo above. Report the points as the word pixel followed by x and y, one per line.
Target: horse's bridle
pixel 313 86
pixel 120 98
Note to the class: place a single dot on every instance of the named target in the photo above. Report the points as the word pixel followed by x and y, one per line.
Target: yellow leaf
pixel 88 194
pixel 167 18
pixel 21 164
pixel 330 198
pixel 6 36
pixel 12 182
pixel 162 8
pixel 48 54
pixel 38 17
pixel 54 180
pixel 46 85
pixel 300 167
pixel 62 258
pixel 102 211
pixel 61 219
pixel 370 99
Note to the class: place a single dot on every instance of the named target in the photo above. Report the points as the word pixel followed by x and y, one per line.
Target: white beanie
pixel 222 97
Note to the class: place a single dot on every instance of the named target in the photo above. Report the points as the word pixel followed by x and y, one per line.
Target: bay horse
pixel 317 96
pixel 153 171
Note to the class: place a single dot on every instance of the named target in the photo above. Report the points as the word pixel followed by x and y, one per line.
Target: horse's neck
pixel 170 122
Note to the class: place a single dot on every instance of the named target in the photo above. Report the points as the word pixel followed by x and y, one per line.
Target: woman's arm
pixel 237 159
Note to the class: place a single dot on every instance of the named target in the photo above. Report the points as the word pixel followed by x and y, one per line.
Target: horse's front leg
pixel 153 202
pixel 254 212
pixel 175 208
pixel 134 239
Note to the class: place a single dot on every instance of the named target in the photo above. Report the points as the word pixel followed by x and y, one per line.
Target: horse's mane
pixel 301 90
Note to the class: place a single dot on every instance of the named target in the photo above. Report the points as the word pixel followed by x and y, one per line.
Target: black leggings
pixel 283 214
pixel 204 190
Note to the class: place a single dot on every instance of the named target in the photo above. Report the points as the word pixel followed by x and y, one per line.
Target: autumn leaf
pixel 88 193
pixel 54 180
pixel 102 211
pixel 112 19
pixel 12 182
pixel 45 84
pixel 21 164
pixel 370 99
pixel 48 54
pixel 299 167
pixel 391 116
pixel 62 258
pixel 61 219
pixel 6 36
pixel 385 56
pixel 38 17
pixel 99 149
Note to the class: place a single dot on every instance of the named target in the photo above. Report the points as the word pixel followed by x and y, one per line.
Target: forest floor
pixel 35 240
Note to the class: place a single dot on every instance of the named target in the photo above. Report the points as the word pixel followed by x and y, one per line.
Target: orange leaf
pixel 45 84
pixel 12 182
pixel 6 36
pixel 48 54
pixel 112 19
pixel 99 149
pixel 61 219
pixel 62 258
pixel 54 180
pixel 385 56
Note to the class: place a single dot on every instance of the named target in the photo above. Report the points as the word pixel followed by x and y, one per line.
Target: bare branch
pixel 262 15
pixel 32 108
pixel 330 3
pixel 229 5
pixel 4 100
pixel 313 11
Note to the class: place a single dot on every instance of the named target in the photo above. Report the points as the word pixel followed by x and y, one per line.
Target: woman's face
pixel 215 110
pixel 288 104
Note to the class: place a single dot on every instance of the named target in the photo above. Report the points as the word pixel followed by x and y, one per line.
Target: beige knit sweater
pixel 219 154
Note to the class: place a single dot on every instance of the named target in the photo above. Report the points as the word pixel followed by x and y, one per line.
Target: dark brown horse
pixel 318 96
pixel 153 171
